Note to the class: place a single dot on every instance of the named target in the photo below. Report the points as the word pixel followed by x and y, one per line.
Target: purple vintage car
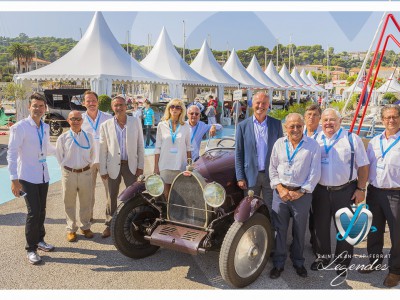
pixel 205 211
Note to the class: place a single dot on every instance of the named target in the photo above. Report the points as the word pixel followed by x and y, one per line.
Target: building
pixel 384 72
pixel 35 63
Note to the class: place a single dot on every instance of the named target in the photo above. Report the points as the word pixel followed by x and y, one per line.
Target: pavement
pixel 96 264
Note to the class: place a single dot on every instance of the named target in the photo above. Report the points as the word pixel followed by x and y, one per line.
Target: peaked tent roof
pixel 255 70
pixel 284 73
pixel 391 85
pixel 206 65
pixel 303 76
pixel 164 60
pixel 98 55
pixel 311 78
pixel 296 75
pixel 234 67
pixel 358 88
pixel 275 77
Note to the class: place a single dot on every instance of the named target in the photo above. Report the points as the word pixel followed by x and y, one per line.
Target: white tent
pixel 303 76
pixel 273 74
pixel 97 57
pixel 284 73
pixel 255 70
pixel 206 65
pixel 234 67
pixel 296 75
pixel 313 81
pixel 391 85
pixel 165 61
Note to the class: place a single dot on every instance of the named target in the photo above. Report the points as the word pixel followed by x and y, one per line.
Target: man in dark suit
pixel 255 138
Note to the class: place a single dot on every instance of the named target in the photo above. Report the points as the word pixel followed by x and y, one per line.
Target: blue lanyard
pixel 173 134
pixel 290 158
pixel 40 135
pixel 97 122
pixel 327 149
pixel 76 142
pixel 390 147
pixel 314 136
pixel 194 133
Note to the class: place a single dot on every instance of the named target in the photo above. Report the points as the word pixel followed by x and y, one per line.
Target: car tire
pixel 245 250
pixel 56 128
pixel 128 239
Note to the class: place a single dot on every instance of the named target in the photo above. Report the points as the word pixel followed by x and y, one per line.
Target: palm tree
pixel 16 50
pixel 28 55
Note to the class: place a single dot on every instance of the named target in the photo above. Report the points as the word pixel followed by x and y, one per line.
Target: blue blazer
pixel 246 162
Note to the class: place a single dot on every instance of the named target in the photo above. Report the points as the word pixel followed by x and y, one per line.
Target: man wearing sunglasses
pixel 75 154
pixel 198 129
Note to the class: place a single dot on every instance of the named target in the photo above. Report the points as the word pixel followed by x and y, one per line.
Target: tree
pixel 16 50
pixel 104 103
pixel 28 55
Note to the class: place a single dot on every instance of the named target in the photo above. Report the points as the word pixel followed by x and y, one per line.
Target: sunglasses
pixel 76 119
pixel 194 113
pixel 175 106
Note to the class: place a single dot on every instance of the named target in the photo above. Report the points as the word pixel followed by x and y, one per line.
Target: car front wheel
pixel 245 250
pixel 128 229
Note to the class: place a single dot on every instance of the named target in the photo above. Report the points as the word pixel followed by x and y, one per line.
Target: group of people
pixel 96 143
pixel 315 170
pixel 307 175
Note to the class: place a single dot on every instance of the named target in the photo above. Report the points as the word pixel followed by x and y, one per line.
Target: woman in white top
pixel 172 143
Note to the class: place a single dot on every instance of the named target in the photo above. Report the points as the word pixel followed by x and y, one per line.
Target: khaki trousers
pixel 80 184
pixel 113 186
pixel 95 171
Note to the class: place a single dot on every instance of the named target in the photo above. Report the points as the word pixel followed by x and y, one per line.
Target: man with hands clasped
pixel 294 171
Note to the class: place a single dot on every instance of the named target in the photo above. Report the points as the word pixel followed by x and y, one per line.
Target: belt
pixel 291 188
pixel 338 187
pixel 262 171
pixel 387 189
pixel 124 162
pixel 77 170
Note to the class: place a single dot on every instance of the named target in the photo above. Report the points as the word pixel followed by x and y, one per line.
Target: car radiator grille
pixel 186 203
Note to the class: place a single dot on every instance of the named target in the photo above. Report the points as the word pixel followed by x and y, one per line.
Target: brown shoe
pixel 87 233
pixel 71 236
pixel 106 233
pixel 391 280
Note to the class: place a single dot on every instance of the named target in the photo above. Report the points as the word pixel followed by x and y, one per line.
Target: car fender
pixel 247 207
pixel 131 191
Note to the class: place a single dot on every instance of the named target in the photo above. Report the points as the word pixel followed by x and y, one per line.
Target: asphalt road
pixel 97 265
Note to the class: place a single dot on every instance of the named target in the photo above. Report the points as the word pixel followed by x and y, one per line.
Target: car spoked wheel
pixel 245 250
pixel 128 229
pixel 56 128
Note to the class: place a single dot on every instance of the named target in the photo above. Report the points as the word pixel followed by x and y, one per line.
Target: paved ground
pixel 96 264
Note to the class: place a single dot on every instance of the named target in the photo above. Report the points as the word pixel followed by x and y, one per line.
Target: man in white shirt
pixel 121 154
pixel 198 129
pixel 294 171
pixel 28 146
pixel 75 154
pixel 383 196
pixel 92 120
pixel 344 174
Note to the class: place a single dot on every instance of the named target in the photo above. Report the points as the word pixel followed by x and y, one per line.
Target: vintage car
pixel 205 211
pixel 60 102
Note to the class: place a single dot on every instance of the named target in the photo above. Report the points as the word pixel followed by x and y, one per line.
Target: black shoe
pixel 301 271
pixel 275 273
pixel 318 264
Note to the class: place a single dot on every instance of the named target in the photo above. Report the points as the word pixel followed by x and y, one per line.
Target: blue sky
pixel 345 31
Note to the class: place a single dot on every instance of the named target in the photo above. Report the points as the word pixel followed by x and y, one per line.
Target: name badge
pixel 380 165
pixel 173 150
pixel 41 158
pixel 288 171
pixel 325 160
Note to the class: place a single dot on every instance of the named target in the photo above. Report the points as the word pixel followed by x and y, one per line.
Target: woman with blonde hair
pixel 172 143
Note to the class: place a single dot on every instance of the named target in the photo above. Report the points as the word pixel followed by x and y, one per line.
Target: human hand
pixel 139 172
pixel 104 177
pixel 16 187
pixel 294 195
pixel 283 193
pixel 242 184
pixel 358 196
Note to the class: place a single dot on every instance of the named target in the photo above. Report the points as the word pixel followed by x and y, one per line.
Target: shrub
pixel 390 97
pixel 104 103
pixel 279 114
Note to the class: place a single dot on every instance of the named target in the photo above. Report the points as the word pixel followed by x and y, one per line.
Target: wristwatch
pixel 303 191
pixel 361 189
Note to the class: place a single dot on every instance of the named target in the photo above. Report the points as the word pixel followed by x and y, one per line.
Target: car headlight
pixel 214 194
pixel 154 185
